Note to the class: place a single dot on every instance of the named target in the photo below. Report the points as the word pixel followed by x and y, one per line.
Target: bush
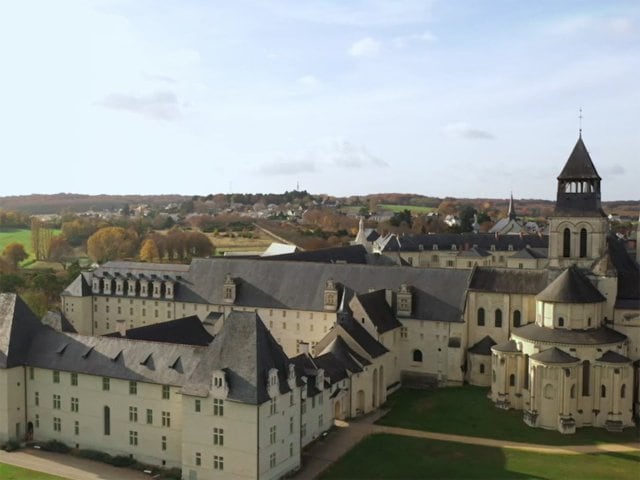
pixel 121 461
pixel 94 455
pixel 55 446
pixel 11 446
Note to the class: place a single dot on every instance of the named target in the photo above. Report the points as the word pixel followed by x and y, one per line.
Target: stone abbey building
pixel 229 367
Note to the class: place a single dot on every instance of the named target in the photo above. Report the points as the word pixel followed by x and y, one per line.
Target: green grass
pixel 10 472
pixel 467 411
pixel 390 456
pixel 413 208
pixel 19 235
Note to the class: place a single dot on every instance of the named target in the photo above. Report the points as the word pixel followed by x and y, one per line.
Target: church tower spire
pixel 511 213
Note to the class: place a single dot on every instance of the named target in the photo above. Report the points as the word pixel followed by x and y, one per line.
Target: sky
pixel 440 98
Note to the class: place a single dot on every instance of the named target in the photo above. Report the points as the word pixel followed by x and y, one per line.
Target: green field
pixel 414 209
pixel 19 235
pixel 467 411
pixel 390 456
pixel 10 472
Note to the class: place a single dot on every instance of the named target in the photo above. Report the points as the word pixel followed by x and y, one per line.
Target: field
pixel 412 208
pixel 390 456
pixel 10 472
pixel 233 242
pixel 468 411
pixel 19 235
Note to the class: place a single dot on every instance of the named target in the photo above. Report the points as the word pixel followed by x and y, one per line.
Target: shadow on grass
pixel 467 411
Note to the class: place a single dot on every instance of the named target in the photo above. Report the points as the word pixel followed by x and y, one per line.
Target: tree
pixel 198 244
pixel 41 237
pixel 59 249
pixel 15 253
pixel 111 243
pixel 149 251
pixel 401 217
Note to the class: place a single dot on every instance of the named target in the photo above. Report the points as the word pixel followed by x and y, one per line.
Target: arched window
pixel 498 318
pixel 481 317
pixel 573 391
pixel 566 243
pixel 512 380
pixel 623 391
pixel 516 318
pixel 560 322
pixel 603 391
pixel 107 420
pixel 482 368
pixel 417 356
pixel 586 371
pixel 583 243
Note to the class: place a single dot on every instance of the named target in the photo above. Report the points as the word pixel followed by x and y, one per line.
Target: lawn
pixel 413 208
pixel 19 235
pixel 10 472
pixel 467 411
pixel 390 456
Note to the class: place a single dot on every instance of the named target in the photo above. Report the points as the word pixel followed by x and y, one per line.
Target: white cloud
pixel 464 130
pixel 161 105
pixel 310 82
pixel 405 40
pixel 365 47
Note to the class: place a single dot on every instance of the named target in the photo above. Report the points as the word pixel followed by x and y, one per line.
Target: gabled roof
pixel 58 321
pixel 347 254
pixel 332 367
pixel 628 272
pixel 475 251
pixel 18 325
pixel 463 241
pixel 579 165
pixel 358 333
pixel 80 287
pixel 508 280
pixel 378 310
pixel 483 347
pixel 246 351
pixel 347 357
pixel 571 286
pixel 531 253
pixel 554 355
pixel 187 331
pixel 613 357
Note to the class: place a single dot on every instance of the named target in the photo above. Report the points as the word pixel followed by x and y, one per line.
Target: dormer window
pixel 510 248
pixel 454 247
pixel 217 382
pixel 435 246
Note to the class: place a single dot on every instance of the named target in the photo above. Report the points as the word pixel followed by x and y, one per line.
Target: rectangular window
pixel 198 459
pixel 272 435
pixel 133 414
pixel 303 406
pixel 76 427
pixel 166 392
pixel 303 430
pixel 36 399
pixel 320 421
pixel 218 462
pixel 31 374
pixel 57 424
pixel 74 379
pixel 290 425
pixel 218 436
pixel 56 402
pixel 75 406
pixel 404 333
pixel 272 460
pixel 197 405
pixel 133 388
pixel 56 376
pixel 218 407
pixel 37 421
pixel 273 407
pixel 105 384
pixel 166 419
pixel 164 443
pixel 133 438
pixel 149 416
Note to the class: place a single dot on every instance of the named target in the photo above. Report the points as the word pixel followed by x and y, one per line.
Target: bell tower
pixel 578 226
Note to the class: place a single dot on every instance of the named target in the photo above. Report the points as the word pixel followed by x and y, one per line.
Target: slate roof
pixel 58 321
pixel 246 351
pixel 349 254
pixel 18 325
pixel 305 366
pixel 571 286
pixel 332 367
pixel 613 357
pixel 595 336
pixel 80 287
pixel 579 165
pixel 464 241
pixel 507 226
pixel 160 363
pixel 507 347
pixel 508 280
pixel 483 347
pixel 379 311
pixel 369 344
pixel 531 253
pixel 628 294
pixel 475 251
pixel 348 358
pixel 554 355
pixel 438 294
pixel 187 331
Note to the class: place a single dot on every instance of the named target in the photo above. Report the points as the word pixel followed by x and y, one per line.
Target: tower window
pixel 583 243
pixel 566 243
pixel 498 318
pixel 481 317
pixel 417 356
pixel 516 318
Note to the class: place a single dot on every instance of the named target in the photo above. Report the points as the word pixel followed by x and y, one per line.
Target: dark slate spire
pixel 511 213
pixel 579 185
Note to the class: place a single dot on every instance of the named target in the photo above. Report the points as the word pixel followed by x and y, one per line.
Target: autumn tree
pixel 41 236
pixel 149 251
pixel 15 253
pixel 110 243
pixel 59 250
